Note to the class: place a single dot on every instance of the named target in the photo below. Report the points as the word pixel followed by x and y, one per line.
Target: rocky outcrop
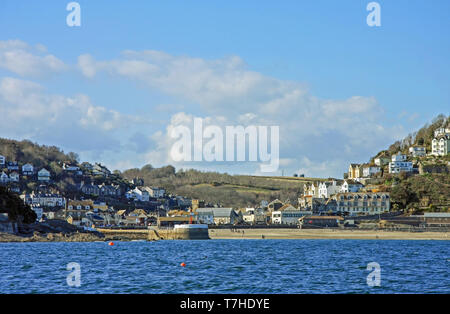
pixel 49 231
pixel 17 211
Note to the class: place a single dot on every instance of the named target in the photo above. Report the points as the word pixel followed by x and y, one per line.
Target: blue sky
pixel 378 83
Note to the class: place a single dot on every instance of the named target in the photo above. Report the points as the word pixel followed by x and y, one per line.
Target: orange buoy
pixel 111 243
pixel 182 264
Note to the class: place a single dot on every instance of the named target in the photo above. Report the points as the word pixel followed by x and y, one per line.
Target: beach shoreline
pixel 334 234
pixel 249 234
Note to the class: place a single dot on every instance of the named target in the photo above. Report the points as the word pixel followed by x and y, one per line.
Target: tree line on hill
pixel 39 156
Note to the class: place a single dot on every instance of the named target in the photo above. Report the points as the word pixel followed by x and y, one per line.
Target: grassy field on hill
pixel 228 190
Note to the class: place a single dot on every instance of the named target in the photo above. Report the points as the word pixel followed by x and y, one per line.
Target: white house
pixel 288 217
pixel 312 190
pixel 205 216
pixel 27 169
pixel 48 200
pixel 43 175
pixel 400 166
pixel 70 167
pixel 225 216
pixel 369 171
pixel 14 177
pixel 249 216
pixel 351 186
pixel 440 146
pixel 399 157
pixel 2 160
pixel 381 161
pixel 4 178
pixel 138 194
pixel 326 189
pixel 155 192
pixel 363 203
pixel 417 151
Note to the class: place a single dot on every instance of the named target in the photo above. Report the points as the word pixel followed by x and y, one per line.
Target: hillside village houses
pixel 311 190
pixel 205 216
pixel 43 175
pixel 354 171
pixel 358 171
pixel 381 161
pixel 27 170
pixel 70 167
pixel 14 177
pixel 52 204
pixel 326 189
pixel 155 192
pixel 45 200
pixel 226 216
pixel 4 178
pixel 100 170
pixel 440 145
pixel 417 151
pixel 145 204
pixel 254 216
pixel 369 171
pixel 288 215
pixel 362 202
pixel 350 186
pixel 12 166
pixel 333 201
pixel 139 194
pixel 399 164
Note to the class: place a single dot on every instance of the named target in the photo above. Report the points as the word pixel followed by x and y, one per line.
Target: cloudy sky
pixel 113 88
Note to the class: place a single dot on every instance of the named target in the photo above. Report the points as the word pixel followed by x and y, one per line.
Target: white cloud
pixel 330 132
pixel 319 134
pixel 28 112
pixel 22 59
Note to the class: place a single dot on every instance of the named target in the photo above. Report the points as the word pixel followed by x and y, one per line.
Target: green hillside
pixel 28 152
pixel 228 190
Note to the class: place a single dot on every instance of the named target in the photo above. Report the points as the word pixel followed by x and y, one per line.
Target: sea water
pixel 227 266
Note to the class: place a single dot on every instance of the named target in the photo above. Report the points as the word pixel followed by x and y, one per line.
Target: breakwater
pixel 195 232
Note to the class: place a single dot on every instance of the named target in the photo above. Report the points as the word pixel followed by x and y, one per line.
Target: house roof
pixel 286 206
pixel 121 212
pixel 139 212
pixel 223 212
pixel 436 215
pixel 275 201
pixel 204 211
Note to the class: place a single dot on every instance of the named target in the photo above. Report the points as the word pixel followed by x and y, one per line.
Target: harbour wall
pixel 157 234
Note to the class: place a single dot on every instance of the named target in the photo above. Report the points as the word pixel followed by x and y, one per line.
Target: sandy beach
pixel 325 234
pixel 241 234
